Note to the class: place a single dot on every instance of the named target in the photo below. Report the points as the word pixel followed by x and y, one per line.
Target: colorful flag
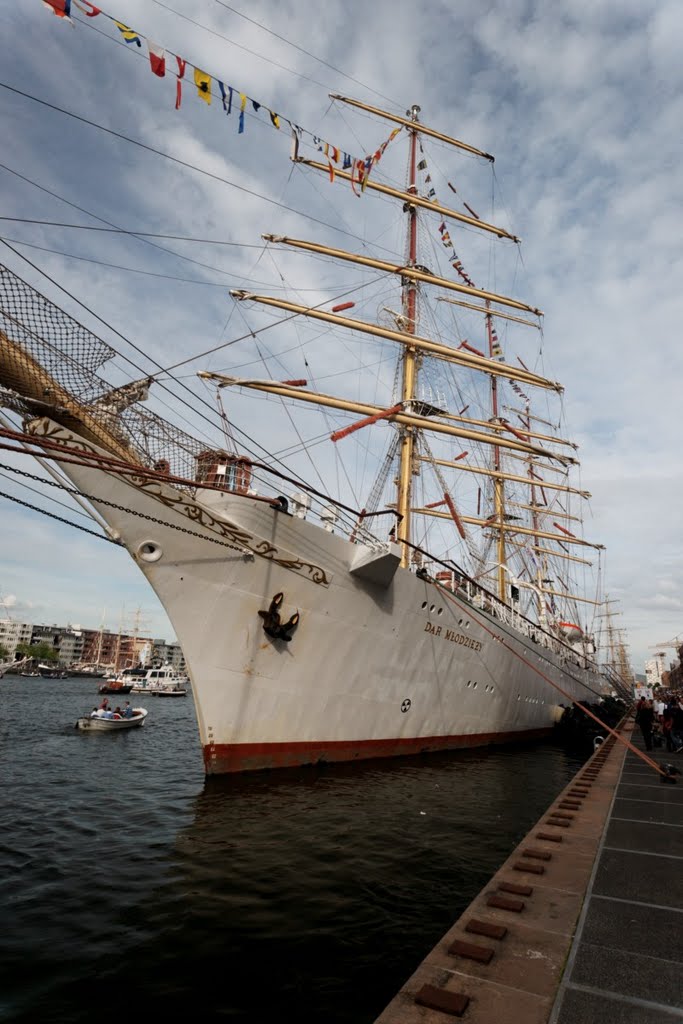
pixel 274 118
pixel 422 166
pixel 243 103
pixel 157 58
pixel 226 97
pixel 179 85
pixel 62 8
pixel 203 83
pixel 83 4
pixel 129 34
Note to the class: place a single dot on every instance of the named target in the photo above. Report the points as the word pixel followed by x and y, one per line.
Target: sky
pixel 581 104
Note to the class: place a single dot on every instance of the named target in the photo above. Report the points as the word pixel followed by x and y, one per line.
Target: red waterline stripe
pixel 222 758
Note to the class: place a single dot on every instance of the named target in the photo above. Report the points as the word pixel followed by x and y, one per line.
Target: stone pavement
pixel 582 923
pixel 626 961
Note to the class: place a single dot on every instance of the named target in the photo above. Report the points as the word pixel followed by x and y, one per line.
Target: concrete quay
pixel 582 923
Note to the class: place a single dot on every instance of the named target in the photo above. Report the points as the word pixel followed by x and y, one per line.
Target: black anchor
pixel 272 624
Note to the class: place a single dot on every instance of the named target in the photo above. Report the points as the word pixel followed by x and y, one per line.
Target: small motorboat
pixel 97 724
pixel 115 686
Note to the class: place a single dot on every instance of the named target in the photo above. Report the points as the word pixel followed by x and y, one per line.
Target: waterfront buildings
pixel 76 645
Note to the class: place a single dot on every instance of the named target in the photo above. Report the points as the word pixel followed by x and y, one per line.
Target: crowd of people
pixel 105 710
pixel 661 721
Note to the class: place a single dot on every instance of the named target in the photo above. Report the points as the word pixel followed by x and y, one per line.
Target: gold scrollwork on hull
pixel 233 535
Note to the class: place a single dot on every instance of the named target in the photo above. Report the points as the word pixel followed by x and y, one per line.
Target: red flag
pixel 157 58
pixel 62 8
pixel 178 85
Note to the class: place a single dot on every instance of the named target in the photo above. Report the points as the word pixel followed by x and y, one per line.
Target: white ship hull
pixel 381 662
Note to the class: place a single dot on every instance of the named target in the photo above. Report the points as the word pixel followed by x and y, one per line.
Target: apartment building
pixel 14 633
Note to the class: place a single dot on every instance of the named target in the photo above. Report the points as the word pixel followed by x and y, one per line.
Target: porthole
pixel 474 686
pixel 469 682
pixel 491 689
pixel 460 622
pixel 519 697
pixel 423 605
pixel 148 551
pixel 440 611
pixel 431 609
pixel 467 624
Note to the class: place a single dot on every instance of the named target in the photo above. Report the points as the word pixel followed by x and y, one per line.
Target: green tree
pixel 40 652
pixel 4 653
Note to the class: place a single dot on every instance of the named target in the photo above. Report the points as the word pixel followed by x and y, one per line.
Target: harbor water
pixel 133 887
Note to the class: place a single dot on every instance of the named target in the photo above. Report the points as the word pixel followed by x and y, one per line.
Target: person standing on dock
pixel 677 725
pixel 667 726
pixel 645 716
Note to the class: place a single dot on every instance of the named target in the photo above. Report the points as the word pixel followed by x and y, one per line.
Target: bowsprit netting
pixel 48 367
pixel 64 348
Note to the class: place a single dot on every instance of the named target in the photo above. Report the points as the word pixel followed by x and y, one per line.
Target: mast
pixel 498 482
pixel 410 360
pixel 540 600
pixel 98 655
pixel 117 655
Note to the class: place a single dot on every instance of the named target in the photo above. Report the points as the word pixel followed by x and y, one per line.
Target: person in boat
pixel 95 713
pixel 127 710
pixel 108 713
pixel 117 712
pixel 105 704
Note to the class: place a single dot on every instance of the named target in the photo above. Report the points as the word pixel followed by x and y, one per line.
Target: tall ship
pixel 398 565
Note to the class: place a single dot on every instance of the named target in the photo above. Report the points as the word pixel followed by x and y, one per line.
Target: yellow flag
pixel 203 83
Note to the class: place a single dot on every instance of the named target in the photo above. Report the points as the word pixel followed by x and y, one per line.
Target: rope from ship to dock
pixel 450 597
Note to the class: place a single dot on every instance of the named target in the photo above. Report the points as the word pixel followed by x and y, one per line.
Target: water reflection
pixel 309 894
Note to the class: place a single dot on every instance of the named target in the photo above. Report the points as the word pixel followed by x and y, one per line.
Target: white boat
pixel 93 723
pixel 164 681
pixel 318 624
pixel 12 667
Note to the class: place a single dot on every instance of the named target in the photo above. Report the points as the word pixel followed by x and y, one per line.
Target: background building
pixel 655 668
pixel 76 646
pixel 13 633
pixel 169 654
pixel 67 641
